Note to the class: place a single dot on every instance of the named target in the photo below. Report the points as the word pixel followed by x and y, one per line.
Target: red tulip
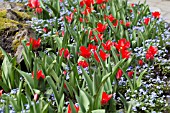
pixel 66 53
pixel 121 22
pixel 156 14
pixel 130 10
pixel 62 33
pixel 39 75
pixel 140 62
pixel 151 52
pixel 70 17
pixel 125 53
pixel 100 36
pixel 102 54
pixel 128 24
pixel 92 47
pixel 110 17
pixel 119 74
pixel 115 24
pixel 101 1
pixel 82 63
pixel 146 21
pixel 87 10
pixel 105 98
pixel 75 10
pixel 64 72
pixel 82 3
pixel 101 27
pixel 45 30
pixel 132 5
pixel 130 74
pixel 108 45
pixel 38 10
pixel 33 3
pixel 90 33
pixel 69 109
pixel 88 3
pixel 65 86
pixel 1 92
pixel 36 96
pixel 85 52
pixel 81 19
pixel 35 43
pixel 103 6
pixel 122 44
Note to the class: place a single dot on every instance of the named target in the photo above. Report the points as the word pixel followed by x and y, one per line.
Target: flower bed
pixel 99 56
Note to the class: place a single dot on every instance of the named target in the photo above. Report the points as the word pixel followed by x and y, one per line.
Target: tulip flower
pixel 35 43
pixel 130 10
pixel 66 53
pixel 119 74
pixel 38 10
pixel 87 10
pixel 92 47
pixel 130 74
pixel 36 96
pixel 128 24
pixel 151 52
pixel 115 23
pixel 101 27
pixel 103 6
pixel 156 14
pixel 121 22
pixel 82 63
pixel 1 92
pixel 33 3
pixel 105 98
pixel 146 21
pixel 88 3
pixel 65 86
pixel 102 54
pixel 101 1
pixel 85 52
pixel 125 53
pixel 45 29
pixel 140 62
pixel 107 46
pixel 132 5
pixel 69 18
pixel 64 72
pixel 122 44
pixel 39 75
pixel 100 36
pixel 110 17
pixel 81 19
pixel 69 109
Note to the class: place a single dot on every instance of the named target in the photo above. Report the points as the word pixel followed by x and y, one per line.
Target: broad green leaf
pixel 28 79
pixel 52 85
pixel 139 80
pixel 4 86
pixel 88 80
pixel 61 104
pixel 99 111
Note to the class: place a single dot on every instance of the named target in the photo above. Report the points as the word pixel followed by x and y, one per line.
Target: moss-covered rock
pixel 13 28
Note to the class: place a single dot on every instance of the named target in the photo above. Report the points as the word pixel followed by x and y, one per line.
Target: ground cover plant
pixel 99 56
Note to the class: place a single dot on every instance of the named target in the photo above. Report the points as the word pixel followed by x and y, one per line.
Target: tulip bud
pixel 140 62
pixel 1 92
pixel 36 96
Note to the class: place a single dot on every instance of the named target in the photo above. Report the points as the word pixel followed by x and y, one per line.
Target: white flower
pixel 143 108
